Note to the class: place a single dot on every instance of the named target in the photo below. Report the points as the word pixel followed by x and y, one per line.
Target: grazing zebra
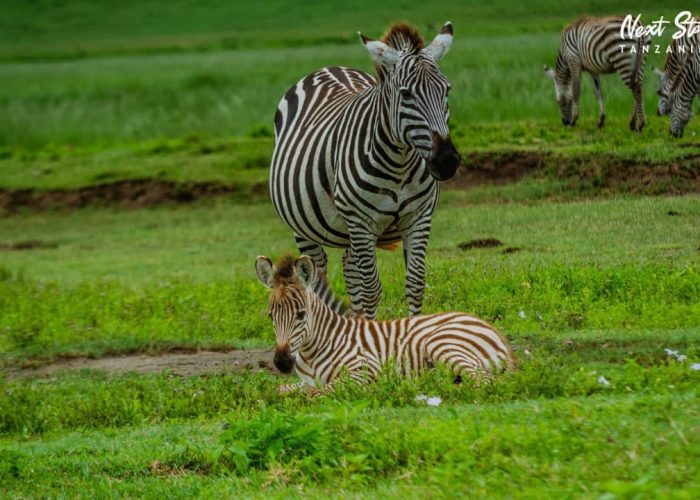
pixel 597 45
pixel 677 53
pixel 357 160
pixel 684 87
pixel 318 343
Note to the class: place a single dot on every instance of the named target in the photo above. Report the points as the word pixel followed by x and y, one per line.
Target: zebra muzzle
pixel 445 158
pixel 283 359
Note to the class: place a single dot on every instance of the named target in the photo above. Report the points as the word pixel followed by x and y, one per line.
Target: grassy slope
pixel 140 97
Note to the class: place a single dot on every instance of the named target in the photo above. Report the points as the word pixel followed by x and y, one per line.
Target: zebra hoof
pixel 601 121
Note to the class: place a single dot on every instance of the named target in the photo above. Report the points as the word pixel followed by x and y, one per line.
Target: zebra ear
pixel 380 52
pixel 658 72
pixel 549 72
pixel 441 44
pixel 306 270
pixel 263 268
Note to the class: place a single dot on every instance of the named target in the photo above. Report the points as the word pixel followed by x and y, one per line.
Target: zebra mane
pixel 285 275
pixel 403 36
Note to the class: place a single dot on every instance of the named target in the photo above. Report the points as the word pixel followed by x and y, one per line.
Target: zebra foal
pixel 318 343
pixel 357 160
pixel 598 46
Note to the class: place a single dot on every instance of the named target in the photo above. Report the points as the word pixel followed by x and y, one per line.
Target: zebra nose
pixel 445 158
pixel 283 359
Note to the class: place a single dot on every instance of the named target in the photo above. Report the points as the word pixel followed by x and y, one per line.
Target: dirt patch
pixel 508 250
pixel 130 194
pixel 496 168
pixel 27 245
pixel 480 243
pixel 183 364
pixel 583 174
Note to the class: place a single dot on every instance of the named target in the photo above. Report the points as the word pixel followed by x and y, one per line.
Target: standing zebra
pixel 677 53
pixel 357 160
pixel 318 343
pixel 599 46
pixel 684 87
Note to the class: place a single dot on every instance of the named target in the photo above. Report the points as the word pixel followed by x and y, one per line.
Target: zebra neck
pixel 322 323
pixel 387 150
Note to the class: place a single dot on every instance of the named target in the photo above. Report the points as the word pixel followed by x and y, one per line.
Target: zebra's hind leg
pixel 638 120
pixel 599 97
pixel 353 282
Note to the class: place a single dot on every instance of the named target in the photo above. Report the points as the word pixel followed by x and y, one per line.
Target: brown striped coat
pixel 318 343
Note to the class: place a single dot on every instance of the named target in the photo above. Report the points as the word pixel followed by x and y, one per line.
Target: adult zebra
pixel 684 87
pixel 598 45
pixel 678 51
pixel 357 160
pixel 318 343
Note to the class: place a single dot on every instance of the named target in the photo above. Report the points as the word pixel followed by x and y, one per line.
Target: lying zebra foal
pixel 318 343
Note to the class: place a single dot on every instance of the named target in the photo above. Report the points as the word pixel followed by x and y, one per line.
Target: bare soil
pixel 129 194
pixel 581 174
pixel 183 364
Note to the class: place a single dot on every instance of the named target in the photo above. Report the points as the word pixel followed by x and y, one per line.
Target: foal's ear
pixel 441 43
pixel 381 53
pixel 263 268
pixel 306 270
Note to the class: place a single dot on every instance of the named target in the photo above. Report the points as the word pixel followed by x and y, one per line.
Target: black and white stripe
pixel 598 46
pixel 357 160
pixel 318 344
pixel 678 52
pixel 684 87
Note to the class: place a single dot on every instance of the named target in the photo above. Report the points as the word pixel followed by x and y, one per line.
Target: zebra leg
pixel 599 96
pixel 415 244
pixel 363 257
pixel 353 282
pixel 638 120
pixel 313 250
pixel 575 70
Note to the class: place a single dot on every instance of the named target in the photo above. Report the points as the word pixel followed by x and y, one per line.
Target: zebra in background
pixel 597 45
pixel 357 160
pixel 678 52
pixel 318 343
pixel 685 85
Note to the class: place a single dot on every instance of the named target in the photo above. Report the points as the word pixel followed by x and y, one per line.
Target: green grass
pixel 158 278
pixel 223 93
pixel 597 284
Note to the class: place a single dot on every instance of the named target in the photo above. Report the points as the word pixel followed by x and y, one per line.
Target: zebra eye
pixel 406 94
pixel 301 315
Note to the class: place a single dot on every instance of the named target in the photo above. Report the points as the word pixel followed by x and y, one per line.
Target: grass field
pixel 594 279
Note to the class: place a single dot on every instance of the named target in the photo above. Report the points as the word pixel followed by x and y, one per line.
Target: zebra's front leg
pixel 353 282
pixel 599 97
pixel 415 244
pixel 363 258
pixel 575 91
pixel 313 250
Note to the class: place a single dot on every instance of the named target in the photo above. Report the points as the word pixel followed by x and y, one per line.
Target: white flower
pixel 434 401
pixel 695 366
pixel 521 314
pixel 603 381
pixel 676 355
pixel 421 397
